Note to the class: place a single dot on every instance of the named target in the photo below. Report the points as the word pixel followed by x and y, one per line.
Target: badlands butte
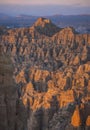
pixel 44 78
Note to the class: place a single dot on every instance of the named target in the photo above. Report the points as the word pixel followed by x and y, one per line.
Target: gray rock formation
pixel 8 93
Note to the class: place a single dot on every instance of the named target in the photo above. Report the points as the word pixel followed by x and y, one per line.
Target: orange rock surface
pixel 76 119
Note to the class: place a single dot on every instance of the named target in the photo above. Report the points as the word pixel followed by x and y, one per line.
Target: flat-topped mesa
pixel 46 27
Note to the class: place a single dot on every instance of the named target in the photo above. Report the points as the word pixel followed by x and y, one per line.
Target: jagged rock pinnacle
pixel 46 27
pixel 42 22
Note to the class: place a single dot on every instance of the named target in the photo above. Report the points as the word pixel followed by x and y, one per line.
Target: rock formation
pixel 88 121
pixel 45 26
pixel 52 73
pixel 8 93
pixel 76 120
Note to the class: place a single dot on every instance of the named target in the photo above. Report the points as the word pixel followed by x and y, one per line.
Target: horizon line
pixel 21 14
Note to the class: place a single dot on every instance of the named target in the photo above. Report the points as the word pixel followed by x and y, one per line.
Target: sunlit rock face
pixel 76 120
pixel 52 73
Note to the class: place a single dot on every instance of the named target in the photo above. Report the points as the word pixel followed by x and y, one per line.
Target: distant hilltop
pixel 81 22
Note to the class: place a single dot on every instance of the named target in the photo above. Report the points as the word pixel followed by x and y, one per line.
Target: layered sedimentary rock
pixel 52 73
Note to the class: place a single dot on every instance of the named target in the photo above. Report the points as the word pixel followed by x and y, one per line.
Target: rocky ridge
pixel 52 73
